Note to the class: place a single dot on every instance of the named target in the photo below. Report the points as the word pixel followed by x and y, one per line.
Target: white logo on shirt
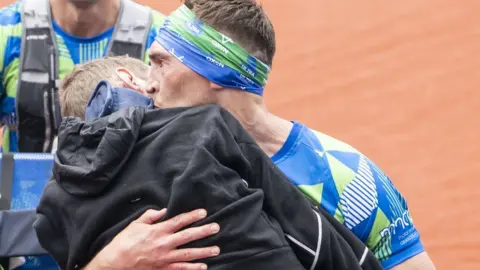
pixel 37 37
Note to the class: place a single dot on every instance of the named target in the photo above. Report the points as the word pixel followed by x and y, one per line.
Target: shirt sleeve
pixel 3 45
pixel 392 237
pixel 10 40
pixel 368 204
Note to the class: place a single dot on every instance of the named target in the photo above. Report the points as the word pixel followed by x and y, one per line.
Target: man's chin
pixel 159 104
pixel 163 105
pixel 168 105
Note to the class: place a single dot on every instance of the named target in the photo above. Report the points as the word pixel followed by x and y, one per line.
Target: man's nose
pixel 152 87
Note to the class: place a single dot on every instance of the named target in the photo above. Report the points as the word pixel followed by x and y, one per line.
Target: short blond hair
pixel 76 87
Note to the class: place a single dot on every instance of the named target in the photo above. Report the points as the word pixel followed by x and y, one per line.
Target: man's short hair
pixel 76 87
pixel 244 21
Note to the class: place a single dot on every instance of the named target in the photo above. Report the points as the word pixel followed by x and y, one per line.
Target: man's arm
pixel 369 205
pixel 3 45
pixel 306 228
pixel 393 236
pixel 419 262
pixel 10 43
pixel 146 245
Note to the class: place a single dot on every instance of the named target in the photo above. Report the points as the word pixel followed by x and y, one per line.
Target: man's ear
pixel 129 80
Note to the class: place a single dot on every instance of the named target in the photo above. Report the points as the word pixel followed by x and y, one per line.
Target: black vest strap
pixel 38 110
pixel 131 32
pixel 6 181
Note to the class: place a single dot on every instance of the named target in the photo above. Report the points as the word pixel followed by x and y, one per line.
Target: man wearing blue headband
pixel 221 52
pixel 329 245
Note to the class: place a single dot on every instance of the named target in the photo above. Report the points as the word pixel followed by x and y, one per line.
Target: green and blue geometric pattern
pixel 352 189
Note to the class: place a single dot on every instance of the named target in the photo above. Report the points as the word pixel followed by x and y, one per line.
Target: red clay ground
pixel 399 80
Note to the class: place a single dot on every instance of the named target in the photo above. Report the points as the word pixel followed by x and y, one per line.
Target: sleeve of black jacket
pixel 190 158
pixel 310 229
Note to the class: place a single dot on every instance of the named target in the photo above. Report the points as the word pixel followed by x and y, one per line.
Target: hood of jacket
pixel 90 153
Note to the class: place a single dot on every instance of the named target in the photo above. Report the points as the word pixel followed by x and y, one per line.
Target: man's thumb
pixel 151 216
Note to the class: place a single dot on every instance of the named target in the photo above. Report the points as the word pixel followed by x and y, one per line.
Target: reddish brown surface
pixel 399 80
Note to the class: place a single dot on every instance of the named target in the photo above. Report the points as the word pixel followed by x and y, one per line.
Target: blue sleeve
pixel 3 51
pixel 358 194
pixel 10 40
pixel 392 237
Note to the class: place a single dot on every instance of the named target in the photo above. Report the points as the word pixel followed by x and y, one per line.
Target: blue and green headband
pixel 210 53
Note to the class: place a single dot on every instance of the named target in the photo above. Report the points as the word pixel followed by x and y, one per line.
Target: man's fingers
pixel 178 222
pixel 151 216
pixel 186 266
pixel 192 234
pixel 191 254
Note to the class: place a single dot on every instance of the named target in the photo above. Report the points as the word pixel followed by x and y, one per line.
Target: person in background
pixel 42 40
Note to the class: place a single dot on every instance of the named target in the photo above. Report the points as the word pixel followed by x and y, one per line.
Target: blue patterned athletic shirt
pixel 352 189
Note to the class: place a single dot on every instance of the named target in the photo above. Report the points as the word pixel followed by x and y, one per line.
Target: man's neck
pixel 268 130
pixel 86 21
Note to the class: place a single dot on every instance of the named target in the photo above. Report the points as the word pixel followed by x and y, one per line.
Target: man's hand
pixel 144 245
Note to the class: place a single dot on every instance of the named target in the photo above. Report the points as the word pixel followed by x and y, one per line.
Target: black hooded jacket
pixel 107 172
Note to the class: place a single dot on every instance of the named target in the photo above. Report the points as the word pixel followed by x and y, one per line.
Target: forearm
pixel 419 262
